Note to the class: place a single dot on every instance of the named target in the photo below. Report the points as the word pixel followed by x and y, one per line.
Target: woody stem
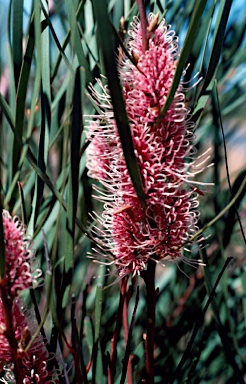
pixel 149 279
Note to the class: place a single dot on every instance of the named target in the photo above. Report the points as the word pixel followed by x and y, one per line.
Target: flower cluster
pixel 21 268
pixel 17 325
pixel 164 152
pixel 34 362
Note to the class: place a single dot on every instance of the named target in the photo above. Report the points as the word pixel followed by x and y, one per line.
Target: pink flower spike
pixel 33 363
pixel 165 155
pixel 21 267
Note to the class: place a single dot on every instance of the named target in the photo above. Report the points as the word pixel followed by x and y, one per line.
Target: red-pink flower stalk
pixel 34 362
pixel 164 152
pixel 21 270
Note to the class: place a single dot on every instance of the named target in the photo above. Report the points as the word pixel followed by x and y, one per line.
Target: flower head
pixel 164 152
pixel 21 270
pixel 34 361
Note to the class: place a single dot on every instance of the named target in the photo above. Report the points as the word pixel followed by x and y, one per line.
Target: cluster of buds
pixel 17 324
pixel 164 151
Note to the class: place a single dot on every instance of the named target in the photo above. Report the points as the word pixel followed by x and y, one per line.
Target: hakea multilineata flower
pixel 164 152
pixel 34 362
pixel 17 325
pixel 21 269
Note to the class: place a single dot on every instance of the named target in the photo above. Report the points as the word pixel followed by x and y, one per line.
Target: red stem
pixel 10 334
pixel 116 336
pixel 126 332
pixel 144 25
pixel 149 278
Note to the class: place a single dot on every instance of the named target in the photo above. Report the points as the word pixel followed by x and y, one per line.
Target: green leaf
pixel 198 323
pixel 99 366
pixel 73 180
pixel 97 370
pixel 77 129
pixel 43 43
pixel 233 200
pixel 88 333
pixel 199 46
pixel 235 105
pixel 60 48
pixel 21 99
pixel 220 27
pixel 33 162
pixel 217 44
pixel 17 25
pixel 22 204
pixel 202 101
pixel 230 219
pixel 98 311
pixel 48 284
pixel 20 107
pixel 76 41
pixel 43 77
pixel 108 53
pixel 225 338
pixel 7 111
pixel 189 41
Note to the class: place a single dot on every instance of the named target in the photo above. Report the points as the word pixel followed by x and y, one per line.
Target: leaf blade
pixel 118 104
pixel 193 27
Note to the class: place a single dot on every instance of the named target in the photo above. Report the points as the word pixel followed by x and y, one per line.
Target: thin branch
pixel 149 278
pixel 116 336
pixel 127 360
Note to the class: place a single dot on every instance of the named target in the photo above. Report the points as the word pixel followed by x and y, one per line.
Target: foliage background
pixel 45 71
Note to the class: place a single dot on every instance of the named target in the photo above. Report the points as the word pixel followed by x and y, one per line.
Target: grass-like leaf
pixel 189 41
pixel 75 39
pixel 220 27
pixel 73 180
pixel 21 98
pixel 17 22
pixel 106 43
pixel 98 368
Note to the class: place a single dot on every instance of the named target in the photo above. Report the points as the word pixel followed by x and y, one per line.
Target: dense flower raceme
pixel 17 324
pixel 21 266
pixel 165 156
pixel 34 361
